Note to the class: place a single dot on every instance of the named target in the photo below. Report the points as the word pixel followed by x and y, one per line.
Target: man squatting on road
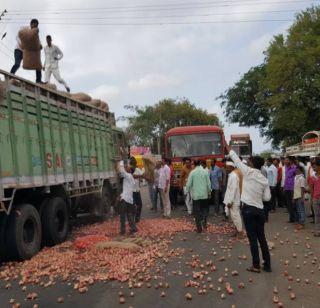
pixel 255 190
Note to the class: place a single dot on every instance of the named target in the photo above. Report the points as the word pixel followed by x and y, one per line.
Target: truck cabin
pixel 241 144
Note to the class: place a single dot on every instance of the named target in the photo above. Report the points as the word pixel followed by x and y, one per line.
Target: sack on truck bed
pixel 96 103
pixel 50 86
pixel 29 39
pixel 149 163
pixel 31 59
pixel 104 106
pixel 82 97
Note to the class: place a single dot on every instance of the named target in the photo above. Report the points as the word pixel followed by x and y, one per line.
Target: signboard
pixel 139 151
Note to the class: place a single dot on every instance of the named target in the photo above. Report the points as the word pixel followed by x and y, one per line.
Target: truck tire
pixel 55 221
pixel 24 232
pixel 108 197
pixel 3 250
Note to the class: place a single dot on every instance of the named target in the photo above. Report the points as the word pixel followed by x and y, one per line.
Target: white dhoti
pixel 56 74
pixel 232 197
pixel 187 200
pixel 234 214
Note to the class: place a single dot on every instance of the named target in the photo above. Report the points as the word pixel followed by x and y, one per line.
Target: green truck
pixel 57 158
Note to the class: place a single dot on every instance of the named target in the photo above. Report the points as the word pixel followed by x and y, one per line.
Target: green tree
pixel 282 96
pixel 148 125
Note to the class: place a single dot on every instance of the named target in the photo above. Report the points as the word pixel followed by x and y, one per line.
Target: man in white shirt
pixel 18 53
pixel 164 186
pixel 53 55
pixel 232 196
pixel 155 188
pixel 272 176
pixel 255 190
pixel 126 205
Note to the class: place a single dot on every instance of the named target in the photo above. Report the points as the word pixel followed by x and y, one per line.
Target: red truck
pixel 196 142
pixel 241 144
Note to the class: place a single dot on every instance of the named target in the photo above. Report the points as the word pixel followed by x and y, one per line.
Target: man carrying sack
pixel 53 55
pixel 28 49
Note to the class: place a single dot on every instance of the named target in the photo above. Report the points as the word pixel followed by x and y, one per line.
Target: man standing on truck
pixel 18 53
pixel 53 55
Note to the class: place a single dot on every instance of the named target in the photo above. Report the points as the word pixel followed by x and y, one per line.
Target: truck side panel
pixel 45 143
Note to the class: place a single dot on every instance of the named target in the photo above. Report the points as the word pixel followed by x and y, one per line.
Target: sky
pixel 139 59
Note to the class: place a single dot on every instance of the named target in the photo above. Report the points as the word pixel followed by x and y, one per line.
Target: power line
pixel 156 17
pixel 163 23
pixel 170 5
pixel 151 8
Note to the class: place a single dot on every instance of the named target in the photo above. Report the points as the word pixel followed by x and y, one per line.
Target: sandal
pixel 253 269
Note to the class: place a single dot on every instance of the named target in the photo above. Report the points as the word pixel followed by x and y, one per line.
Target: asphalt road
pixel 298 253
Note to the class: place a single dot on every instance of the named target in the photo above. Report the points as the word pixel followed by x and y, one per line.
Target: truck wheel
pixel 24 232
pixel 3 250
pixel 55 221
pixel 107 197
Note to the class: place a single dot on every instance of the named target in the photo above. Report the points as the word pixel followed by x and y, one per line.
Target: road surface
pixel 295 257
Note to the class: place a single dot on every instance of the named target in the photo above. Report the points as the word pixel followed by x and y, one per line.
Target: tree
pixel 282 96
pixel 149 124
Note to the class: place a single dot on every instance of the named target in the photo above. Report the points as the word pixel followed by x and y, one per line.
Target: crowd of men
pixel 245 191
pixel 53 55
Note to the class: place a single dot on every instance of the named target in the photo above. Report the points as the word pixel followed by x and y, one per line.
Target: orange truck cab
pixel 195 142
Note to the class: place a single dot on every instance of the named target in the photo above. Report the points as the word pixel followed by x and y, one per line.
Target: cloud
pixel 153 81
pixel 106 92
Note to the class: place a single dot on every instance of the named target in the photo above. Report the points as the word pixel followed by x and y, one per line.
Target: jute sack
pixel 95 102
pixel 15 82
pixel 50 86
pixel 29 39
pixel 82 97
pixel 149 163
pixel 104 106
pixel 32 59
pixel 115 244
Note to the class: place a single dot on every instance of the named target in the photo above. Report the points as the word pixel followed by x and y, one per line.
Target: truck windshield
pixel 242 150
pixel 194 145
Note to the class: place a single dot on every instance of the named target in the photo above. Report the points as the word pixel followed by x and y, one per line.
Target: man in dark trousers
pixel 18 54
pixel 255 190
pixel 199 186
pixel 127 209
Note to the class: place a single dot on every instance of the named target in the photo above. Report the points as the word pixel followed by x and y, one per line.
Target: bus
pixel 196 142
pixel 241 144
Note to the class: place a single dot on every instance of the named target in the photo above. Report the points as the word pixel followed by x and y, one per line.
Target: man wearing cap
pixel 232 196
